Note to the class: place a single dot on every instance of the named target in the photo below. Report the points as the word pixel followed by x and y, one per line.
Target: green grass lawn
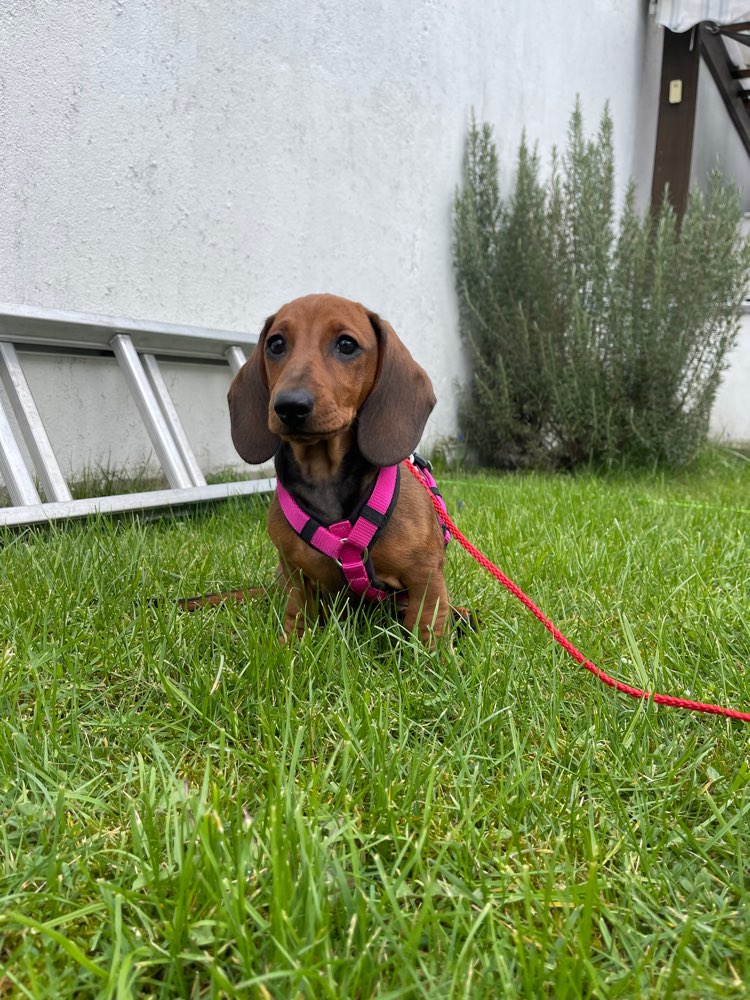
pixel 189 809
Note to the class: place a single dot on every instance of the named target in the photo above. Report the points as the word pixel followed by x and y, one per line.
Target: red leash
pixel 567 645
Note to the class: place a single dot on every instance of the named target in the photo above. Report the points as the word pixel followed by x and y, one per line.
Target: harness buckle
pixel 420 462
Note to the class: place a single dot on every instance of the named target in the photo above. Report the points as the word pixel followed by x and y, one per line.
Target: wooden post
pixel 676 121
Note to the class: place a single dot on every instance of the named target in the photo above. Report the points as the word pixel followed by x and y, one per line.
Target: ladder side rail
pixel 161 437
pixel 41 513
pixel 50 327
pixel 30 423
pixel 160 390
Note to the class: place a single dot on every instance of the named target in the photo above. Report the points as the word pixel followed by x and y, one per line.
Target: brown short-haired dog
pixel 332 392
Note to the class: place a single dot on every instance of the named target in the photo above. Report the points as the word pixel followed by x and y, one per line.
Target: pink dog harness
pixel 349 542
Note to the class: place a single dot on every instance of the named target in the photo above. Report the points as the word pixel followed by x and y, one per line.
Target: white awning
pixel 681 15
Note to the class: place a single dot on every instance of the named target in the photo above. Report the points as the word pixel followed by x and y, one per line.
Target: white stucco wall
pixel 716 144
pixel 730 417
pixel 203 162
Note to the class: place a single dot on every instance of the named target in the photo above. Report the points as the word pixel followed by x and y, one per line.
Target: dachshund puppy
pixel 334 395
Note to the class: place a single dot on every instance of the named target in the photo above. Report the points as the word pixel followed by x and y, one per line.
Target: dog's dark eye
pixel 276 345
pixel 347 345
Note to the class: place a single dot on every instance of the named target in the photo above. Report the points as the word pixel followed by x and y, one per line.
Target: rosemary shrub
pixel 592 339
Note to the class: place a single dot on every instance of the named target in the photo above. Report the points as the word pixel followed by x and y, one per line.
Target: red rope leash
pixel 567 645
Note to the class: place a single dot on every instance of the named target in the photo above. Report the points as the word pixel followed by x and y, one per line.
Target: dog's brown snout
pixel 293 406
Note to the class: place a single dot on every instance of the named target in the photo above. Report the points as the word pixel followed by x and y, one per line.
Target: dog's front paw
pixel 464 620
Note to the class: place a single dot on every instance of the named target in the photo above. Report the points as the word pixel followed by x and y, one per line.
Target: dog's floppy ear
pixel 248 406
pixel 393 416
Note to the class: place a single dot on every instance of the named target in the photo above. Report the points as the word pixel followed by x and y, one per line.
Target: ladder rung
pixel 236 358
pixel 161 438
pixel 15 475
pixel 30 423
pixel 172 418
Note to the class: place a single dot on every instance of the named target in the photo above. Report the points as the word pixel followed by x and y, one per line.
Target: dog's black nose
pixel 293 406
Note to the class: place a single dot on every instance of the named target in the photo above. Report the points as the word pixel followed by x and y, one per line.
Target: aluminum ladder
pixel 135 345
